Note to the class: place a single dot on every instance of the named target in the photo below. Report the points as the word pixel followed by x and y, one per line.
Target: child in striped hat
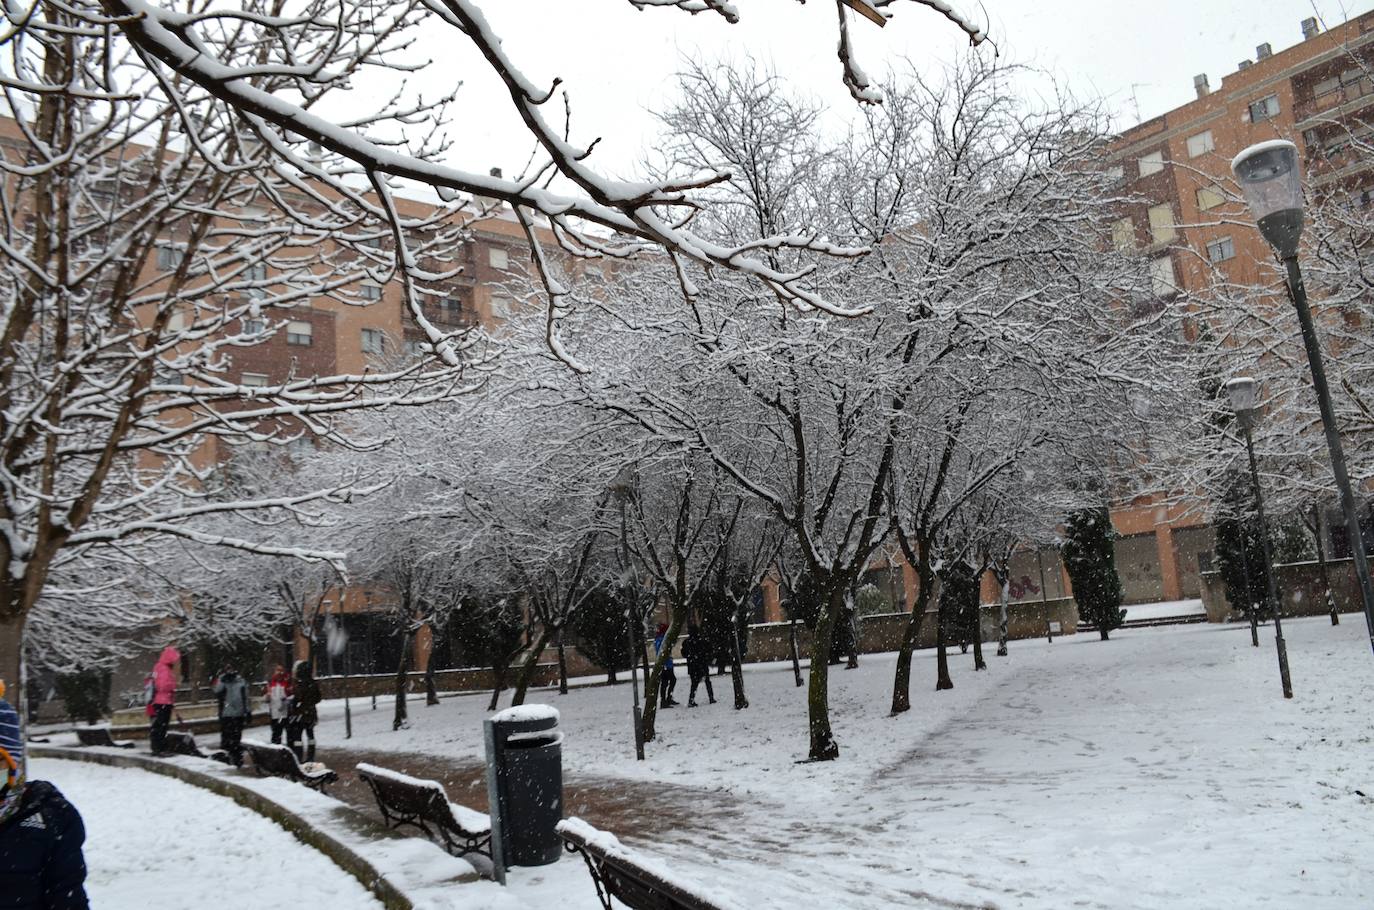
pixel 41 863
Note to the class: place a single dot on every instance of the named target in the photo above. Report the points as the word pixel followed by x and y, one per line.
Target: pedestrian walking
pixel 278 697
pixel 303 714
pixel 698 652
pixel 165 675
pixel 667 680
pixel 41 863
pixel 235 709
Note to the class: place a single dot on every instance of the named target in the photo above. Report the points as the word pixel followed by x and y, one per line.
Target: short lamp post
pixel 1244 394
pixel 1269 175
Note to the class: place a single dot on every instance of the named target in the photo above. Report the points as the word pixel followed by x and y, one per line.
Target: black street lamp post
pixel 1244 394
pixel 623 489
pixel 1268 173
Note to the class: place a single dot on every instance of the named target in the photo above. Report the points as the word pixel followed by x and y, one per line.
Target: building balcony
pixel 1335 105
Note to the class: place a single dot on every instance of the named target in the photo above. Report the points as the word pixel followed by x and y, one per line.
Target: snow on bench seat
pixel 611 862
pixel 472 827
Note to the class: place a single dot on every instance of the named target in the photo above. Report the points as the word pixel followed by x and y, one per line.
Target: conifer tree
pixel 1091 564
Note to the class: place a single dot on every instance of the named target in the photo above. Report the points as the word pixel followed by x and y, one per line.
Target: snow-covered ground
pixel 1160 769
pixel 153 841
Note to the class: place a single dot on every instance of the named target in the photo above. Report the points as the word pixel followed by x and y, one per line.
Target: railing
pixel 1333 100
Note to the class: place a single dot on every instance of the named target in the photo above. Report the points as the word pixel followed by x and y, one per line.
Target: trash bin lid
pixel 526 718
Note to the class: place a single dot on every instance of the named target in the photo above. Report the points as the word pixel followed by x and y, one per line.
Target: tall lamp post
pixel 1272 181
pixel 1244 394
pixel 623 489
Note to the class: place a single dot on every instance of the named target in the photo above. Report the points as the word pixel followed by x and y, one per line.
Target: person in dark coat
pixel 698 652
pixel 300 722
pixel 235 709
pixel 41 863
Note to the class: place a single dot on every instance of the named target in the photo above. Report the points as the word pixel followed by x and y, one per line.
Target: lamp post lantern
pixel 1269 174
pixel 1244 394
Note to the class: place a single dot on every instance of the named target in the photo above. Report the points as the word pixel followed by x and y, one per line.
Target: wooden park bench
pixel 423 804
pixel 100 736
pixel 637 882
pixel 271 760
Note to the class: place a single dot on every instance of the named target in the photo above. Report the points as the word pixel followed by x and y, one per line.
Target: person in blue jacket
pixel 41 864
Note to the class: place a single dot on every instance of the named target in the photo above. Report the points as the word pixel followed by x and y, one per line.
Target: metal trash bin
pixel 524 786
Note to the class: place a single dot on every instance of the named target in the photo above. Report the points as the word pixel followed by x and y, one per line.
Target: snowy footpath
pixel 153 841
pixel 1161 769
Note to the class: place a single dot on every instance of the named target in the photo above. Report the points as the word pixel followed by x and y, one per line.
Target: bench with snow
pixel 271 760
pixel 100 736
pixel 636 881
pixel 179 742
pixel 423 804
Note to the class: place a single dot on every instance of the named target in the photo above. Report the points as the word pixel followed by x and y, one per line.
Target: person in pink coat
pixel 165 677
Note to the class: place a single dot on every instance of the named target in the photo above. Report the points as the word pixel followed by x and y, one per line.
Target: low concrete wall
pixel 1300 590
pixel 884 631
pixel 345 858
pixel 471 679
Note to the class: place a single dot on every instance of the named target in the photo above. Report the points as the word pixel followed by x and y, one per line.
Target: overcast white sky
pixel 619 62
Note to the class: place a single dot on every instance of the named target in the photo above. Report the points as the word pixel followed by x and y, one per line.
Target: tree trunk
pixel 499 671
pixel 431 693
pixel 1321 562
pixel 522 683
pixel 942 680
pixel 562 665
pixel 978 662
pixel 823 745
pixel 1004 596
pixel 398 720
pixel 12 665
pixel 736 669
pixel 651 686
pixel 901 679
pixel 796 658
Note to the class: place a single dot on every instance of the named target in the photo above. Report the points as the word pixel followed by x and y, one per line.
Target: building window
pixel 452 307
pixel 497 257
pixel 1115 174
pixel 370 292
pixel 1200 144
pixel 373 243
pixel 1209 197
pixel 254 326
pixel 1123 235
pixel 500 307
pixel 415 348
pixel 169 256
pixel 256 272
pixel 299 333
pixel 1162 223
pixel 1264 109
pixel 1162 277
pixel 176 323
pixel 253 380
pixel 1221 250
pixel 1152 163
pixel 374 341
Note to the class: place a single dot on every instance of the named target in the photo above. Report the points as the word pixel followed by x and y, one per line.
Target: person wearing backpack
pixel 165 675
pixel 235 708
pixel 41 863
pixel 303 715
